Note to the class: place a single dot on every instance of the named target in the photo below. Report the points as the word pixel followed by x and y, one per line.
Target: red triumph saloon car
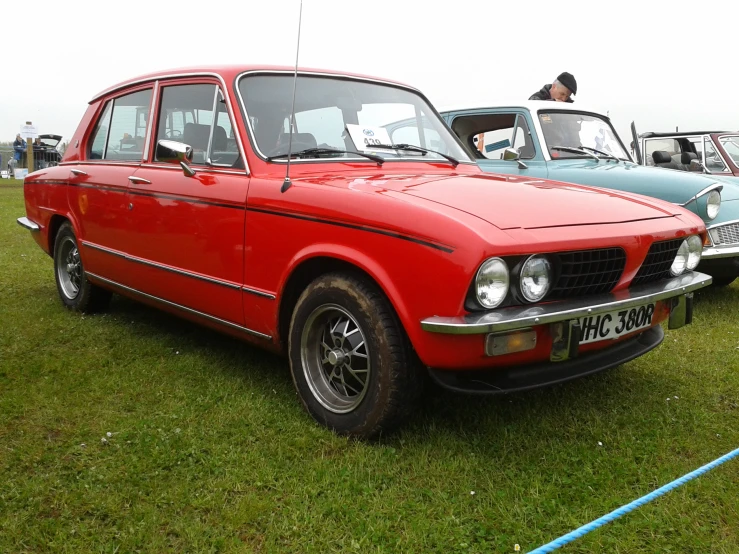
pixel 385 254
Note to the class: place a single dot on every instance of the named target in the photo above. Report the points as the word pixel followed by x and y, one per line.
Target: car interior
pixel 467 128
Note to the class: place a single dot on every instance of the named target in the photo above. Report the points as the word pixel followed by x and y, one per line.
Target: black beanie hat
pixel 569 81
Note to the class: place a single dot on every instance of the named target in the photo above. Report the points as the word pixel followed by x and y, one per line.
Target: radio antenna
pixel 287 182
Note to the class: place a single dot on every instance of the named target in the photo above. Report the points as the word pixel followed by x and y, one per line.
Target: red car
pixel 382 257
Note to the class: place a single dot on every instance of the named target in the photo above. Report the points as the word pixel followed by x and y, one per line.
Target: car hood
pixel 510 202
pixel 667 184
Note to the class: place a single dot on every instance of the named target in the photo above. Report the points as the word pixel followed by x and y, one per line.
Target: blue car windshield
pixel 577 130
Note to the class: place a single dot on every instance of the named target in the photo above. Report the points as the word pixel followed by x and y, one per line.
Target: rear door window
pixel 120 132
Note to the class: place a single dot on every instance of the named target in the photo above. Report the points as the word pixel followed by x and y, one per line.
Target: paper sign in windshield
pixel 364 137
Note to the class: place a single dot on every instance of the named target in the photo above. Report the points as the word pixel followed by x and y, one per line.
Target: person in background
pixel 19 146
pixel 561 90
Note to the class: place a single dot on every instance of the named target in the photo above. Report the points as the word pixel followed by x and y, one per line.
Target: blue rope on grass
pixel 617 513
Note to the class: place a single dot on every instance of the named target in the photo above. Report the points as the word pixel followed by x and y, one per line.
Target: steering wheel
pixel 174 133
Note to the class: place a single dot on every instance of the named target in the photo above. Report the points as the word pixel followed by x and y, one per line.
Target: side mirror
pixel 171 151
pixel 511 155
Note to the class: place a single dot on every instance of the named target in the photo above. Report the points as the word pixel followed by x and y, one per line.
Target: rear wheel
pixel 350 359
pixel 75 291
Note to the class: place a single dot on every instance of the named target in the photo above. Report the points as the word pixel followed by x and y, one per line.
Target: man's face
pixel 560 93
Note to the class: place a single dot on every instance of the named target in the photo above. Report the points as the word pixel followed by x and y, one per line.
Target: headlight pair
pixel 688 255
pixel 492 282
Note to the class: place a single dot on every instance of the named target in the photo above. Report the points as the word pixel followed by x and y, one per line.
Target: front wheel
pixel 350 359
pixel 75 291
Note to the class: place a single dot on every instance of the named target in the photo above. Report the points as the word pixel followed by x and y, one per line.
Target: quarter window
pixel 713 160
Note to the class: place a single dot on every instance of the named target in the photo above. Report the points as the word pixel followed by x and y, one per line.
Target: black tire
pixel 722 280
pixel 392 383
pixel 75 291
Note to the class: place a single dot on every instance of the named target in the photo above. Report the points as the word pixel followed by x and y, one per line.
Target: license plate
pixel 615 324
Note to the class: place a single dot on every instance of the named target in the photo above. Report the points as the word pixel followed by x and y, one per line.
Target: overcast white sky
pixel 661 64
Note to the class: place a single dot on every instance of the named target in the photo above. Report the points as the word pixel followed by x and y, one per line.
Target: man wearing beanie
pixel 561 90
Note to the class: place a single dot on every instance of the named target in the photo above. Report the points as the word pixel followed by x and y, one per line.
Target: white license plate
pixel 612 325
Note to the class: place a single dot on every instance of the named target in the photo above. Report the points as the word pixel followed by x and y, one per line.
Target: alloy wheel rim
pixel 69 269
pixel 335 358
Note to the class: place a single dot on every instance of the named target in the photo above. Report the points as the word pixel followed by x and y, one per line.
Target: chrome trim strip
pixel 719 252
pixel 259 293
pixel 519 317
pixel 27 224
pixel 199 168
pixel 732 222
pixel 159 78
pixel 156 265
pixel 150 122
pixel 715 186
pixel 257 151
pixel 181 307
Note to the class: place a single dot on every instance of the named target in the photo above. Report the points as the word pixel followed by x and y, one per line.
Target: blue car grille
pixel 587 272
pixel 725 234
pixel 658 261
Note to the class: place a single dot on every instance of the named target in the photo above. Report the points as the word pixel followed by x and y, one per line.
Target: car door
pixel 97 191
pixel 489 133
pixel 187 231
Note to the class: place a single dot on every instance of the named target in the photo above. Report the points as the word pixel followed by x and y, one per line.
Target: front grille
pixel 588 272
pixel 725 235
pixel 657 264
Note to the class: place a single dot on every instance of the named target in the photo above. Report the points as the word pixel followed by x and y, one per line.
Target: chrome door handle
pixel 139 180
pixel 79 172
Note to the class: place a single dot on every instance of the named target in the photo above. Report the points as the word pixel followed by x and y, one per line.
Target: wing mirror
pixel 173 152
pixel 511 155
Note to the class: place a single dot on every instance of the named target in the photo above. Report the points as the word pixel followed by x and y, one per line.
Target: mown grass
pixel 210 451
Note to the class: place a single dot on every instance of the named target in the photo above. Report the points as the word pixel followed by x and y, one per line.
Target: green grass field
pixel 210 450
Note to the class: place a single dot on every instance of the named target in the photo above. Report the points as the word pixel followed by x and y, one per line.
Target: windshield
pixel 576 130
pixel 343 114
pixel 731 145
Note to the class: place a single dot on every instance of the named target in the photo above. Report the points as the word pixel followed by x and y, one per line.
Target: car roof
pixel 651 134
pixel 531 105
pixel 229 72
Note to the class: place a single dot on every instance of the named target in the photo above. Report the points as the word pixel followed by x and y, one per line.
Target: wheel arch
pixel 324 259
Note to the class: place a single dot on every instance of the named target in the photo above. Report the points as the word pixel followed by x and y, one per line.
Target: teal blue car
pixel 558 141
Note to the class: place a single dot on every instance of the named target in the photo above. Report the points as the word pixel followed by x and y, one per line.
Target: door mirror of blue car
pixel 510 154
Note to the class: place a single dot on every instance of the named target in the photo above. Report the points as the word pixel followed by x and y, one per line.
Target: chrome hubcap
pixel 335 358
pixel 70 268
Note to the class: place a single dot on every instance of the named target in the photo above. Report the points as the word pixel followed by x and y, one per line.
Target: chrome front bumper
pixel 523 317
pixel 711 252
pixel 27 224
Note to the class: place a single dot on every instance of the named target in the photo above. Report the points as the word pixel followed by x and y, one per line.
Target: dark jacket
pixel 19 147
pixel 544 94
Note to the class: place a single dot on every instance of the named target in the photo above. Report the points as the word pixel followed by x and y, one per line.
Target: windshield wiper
pixel 604 154
pixel 379 160
pixel 574 151
pixel 414 148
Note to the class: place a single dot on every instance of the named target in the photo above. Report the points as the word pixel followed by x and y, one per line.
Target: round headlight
pixel 681 259
pixel 713 204
pixel 695 248
pixel 536 278
pixel 491 283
